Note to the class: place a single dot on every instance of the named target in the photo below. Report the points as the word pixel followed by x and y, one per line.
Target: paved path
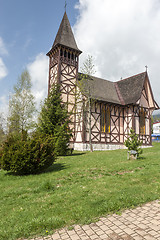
pixel 139 223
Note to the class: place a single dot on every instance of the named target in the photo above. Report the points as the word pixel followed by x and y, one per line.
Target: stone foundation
pixel 100 147
pixel 96 147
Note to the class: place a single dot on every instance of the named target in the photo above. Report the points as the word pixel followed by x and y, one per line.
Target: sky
pixel 123 36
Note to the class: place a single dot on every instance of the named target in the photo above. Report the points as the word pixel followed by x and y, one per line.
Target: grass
pixel 76 189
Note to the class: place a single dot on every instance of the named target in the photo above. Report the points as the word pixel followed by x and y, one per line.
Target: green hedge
pixel 27 157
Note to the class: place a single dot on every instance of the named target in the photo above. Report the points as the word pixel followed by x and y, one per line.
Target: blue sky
pixel 27 28
pixel 122 36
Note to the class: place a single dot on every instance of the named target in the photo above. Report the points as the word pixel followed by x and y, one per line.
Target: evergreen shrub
pixel 54 121
pixel 27 157
pixel 133 143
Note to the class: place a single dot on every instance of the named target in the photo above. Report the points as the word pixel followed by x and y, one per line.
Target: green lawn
pixel 76 189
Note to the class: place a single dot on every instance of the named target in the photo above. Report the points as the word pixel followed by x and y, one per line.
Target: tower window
pixel 69 55
pixel 65 53
pixel 105 119
pixel 142 121
pixel 61 52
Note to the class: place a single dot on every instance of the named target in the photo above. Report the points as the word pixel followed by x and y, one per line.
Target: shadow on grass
pixel 54 168
pixel 73 154
pixel 77 154
pixel 141 158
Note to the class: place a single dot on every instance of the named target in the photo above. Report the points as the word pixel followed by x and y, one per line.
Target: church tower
pixel 63 65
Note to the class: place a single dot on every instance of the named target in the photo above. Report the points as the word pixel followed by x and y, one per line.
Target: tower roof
pixel 65 35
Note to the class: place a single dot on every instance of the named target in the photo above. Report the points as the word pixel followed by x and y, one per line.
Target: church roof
pixel 65 35
pixel 131 88
pixel 123 92
pixel 100 89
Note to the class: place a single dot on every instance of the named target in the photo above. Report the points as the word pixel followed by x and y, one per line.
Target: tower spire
pixel 65 6
pixel 65 35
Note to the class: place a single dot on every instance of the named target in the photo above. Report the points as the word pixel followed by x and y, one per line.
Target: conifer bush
pixel 28 156
pixel 54 121
pixel 133 143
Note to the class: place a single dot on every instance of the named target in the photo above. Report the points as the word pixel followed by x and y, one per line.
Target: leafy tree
pixel 2 133
pixel 54 121
pixel 133 143
pixel 21 106
pixel 88 70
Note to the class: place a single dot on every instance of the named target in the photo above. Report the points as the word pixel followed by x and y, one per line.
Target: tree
pixel 2 133
pixel 54 121
pixel 133 143
pixel 88 70
pixel 21 106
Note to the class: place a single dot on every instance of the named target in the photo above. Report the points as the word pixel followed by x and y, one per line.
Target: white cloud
pixel 38 70
pixel 122 36
pixel 3 50
pixel 3 69
pixel 4 106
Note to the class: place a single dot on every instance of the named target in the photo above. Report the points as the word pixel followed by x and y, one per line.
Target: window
pixel 105 119
pixel 108 120
pixel 142 121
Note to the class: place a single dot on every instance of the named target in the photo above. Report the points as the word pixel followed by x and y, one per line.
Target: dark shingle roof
pixel 131 88
pixel 126 91
pixel 100 89
pixel 65 35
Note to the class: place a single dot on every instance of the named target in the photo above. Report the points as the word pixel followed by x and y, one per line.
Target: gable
pixel 131 88
pixel 146 99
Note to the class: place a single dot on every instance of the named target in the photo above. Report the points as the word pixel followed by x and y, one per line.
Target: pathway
pixel 134 224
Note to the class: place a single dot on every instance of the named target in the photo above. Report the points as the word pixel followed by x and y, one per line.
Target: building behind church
pixel 117 106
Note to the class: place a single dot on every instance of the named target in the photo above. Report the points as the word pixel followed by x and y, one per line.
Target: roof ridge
pixel 96 77
pixel 119 93
pixel 131 76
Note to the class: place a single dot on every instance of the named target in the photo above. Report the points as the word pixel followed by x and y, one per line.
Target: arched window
pixel 142 121
pixel 105 119
pixel 103 128
pixel 69 55
pixel 108 120
pixel 72 56
pixel 61 52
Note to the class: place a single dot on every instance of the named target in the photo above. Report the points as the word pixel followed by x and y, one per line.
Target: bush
pixel 29 156
pixel 133 143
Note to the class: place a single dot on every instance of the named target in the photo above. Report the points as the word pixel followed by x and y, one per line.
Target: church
pixel 116 107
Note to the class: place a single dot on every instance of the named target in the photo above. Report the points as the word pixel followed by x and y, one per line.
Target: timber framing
pixel 117 106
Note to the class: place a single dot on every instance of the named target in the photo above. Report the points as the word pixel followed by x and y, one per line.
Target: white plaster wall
pixel 147 126
pixel 137 125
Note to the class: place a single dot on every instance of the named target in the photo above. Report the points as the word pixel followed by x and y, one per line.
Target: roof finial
pixel 65 6
pixel 146 67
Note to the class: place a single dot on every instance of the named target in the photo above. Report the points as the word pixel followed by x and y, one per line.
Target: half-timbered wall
pixel 63 70
pixel 122 119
